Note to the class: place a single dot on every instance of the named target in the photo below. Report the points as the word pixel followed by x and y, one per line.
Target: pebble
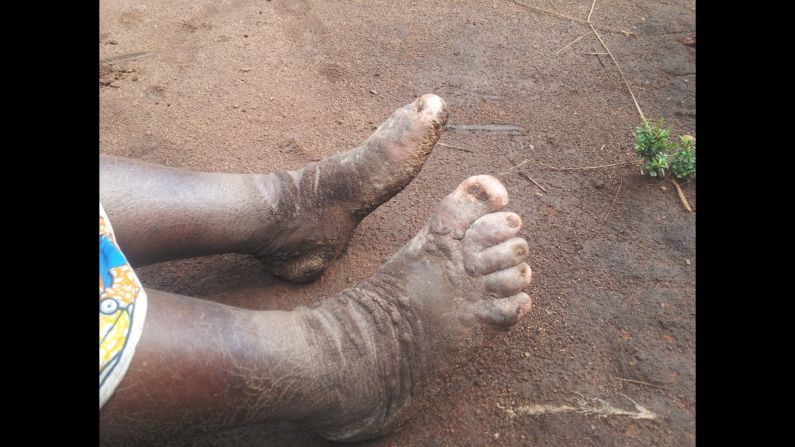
pixel 373 92
pixel 687 261
pixel 496 436
pixel 236 106
pixel 245 69
pixel 663 188
pixel 349 279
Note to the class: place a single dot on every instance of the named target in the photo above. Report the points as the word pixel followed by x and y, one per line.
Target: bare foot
pixel 351 367
pixel 463 273
pixel 320 205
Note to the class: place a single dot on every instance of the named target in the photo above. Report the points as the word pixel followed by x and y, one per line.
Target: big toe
pixel 411 131
pixel 474 197
pixel 431 108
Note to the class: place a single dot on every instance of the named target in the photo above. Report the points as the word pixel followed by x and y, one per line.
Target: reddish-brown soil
pixel 251 86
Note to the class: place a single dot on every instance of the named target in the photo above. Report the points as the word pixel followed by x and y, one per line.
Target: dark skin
pixel 348 367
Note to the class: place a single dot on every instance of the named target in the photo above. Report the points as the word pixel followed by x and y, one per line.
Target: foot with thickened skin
pixel 317 208
pixel 436 300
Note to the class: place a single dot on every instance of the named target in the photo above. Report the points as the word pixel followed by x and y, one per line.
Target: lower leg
pixel 349 367
pixel 295 221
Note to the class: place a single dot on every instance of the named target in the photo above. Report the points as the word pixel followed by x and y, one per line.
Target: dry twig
pixel 620 71
pixel 615 198
pixel 641 383
pixel 573 42
pixel 682 197
pixel 591 11
pixel 604 28
pixel 586 168
pixel 516 166
pixel 453 147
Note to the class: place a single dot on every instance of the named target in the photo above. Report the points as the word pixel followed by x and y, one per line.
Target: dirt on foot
pixel 607 354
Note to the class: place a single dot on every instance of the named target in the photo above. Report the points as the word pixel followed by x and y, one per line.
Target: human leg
pixel 348 367
pixel 295 221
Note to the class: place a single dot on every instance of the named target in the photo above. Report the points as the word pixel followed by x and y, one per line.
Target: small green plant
pixel 652 144
pixel 683 162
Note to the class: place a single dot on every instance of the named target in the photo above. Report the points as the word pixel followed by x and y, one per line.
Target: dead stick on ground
pixel 641 383
pixel 516 166
pixel 604 28
pixel 591 11
pixel 531 179
pixel 453 147
pixel 586 168
pixel 682 197
pixel 615 198
pixel 600 58
pixel 573 42
pixel 620 71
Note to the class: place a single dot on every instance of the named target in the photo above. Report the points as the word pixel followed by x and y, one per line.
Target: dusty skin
pixel 254 87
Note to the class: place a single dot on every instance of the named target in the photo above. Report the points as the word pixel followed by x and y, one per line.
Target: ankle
pixel 370 356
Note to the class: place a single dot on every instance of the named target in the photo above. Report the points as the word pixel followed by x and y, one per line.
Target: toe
pixel 492 229
pixel 473 198
pixel 431 108
pixel 509 281
pixel 498 257
pixel 505 311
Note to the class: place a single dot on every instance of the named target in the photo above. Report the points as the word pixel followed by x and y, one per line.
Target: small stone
pixel 687 261
pixel 245 35
pixel 598 183
pixel 373 92
pixel 236 106
pixel 496 436
pixel 549 312
pixel 663 188
pixel 349 279
pixel 113 42
pixel 538 194
pixel 245 69
pixel 532 148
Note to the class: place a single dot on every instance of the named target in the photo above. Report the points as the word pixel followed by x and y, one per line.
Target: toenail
pixel 519 250
pixel 420 104
pixel 478 191
pixel 512 221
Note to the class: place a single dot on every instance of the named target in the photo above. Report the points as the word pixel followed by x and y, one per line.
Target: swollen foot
pixel 321 204
pixel 429 305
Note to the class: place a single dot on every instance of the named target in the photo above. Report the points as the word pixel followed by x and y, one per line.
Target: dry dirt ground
pixel 255 85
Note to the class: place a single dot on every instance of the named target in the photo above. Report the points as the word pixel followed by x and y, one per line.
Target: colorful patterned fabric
pixel 122 308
